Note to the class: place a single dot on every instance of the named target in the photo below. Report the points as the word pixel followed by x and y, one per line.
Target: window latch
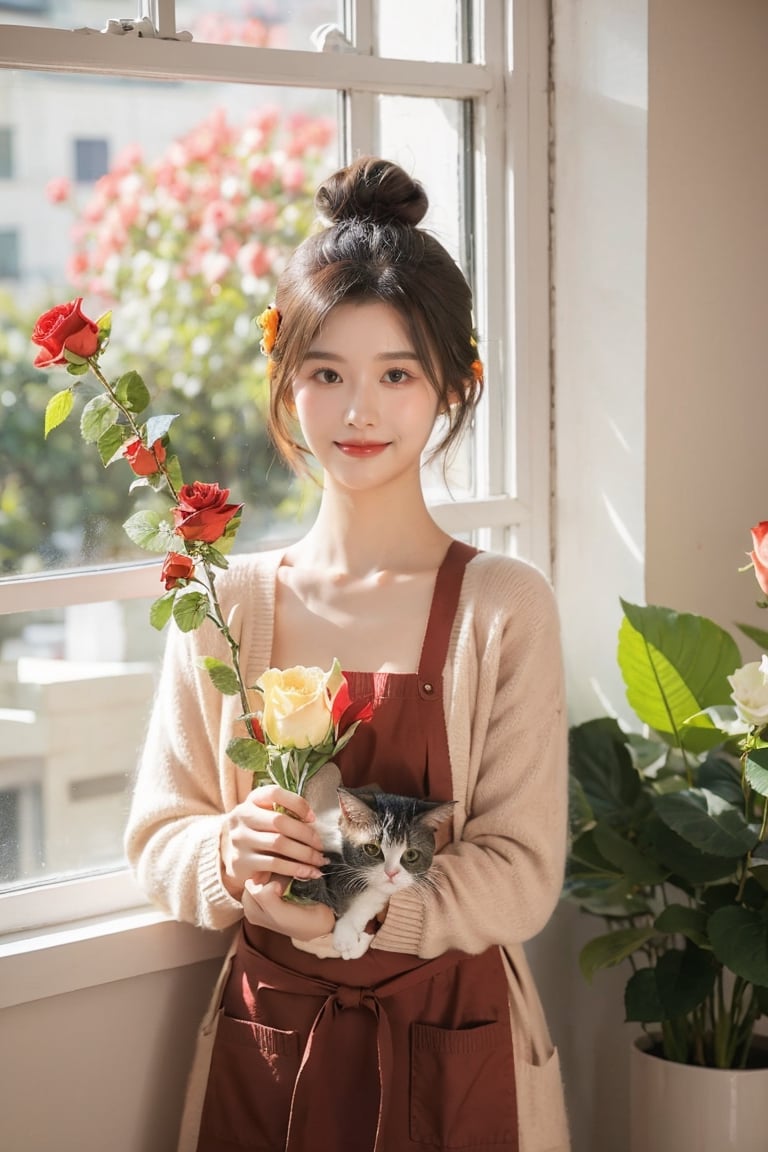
pixel 330 38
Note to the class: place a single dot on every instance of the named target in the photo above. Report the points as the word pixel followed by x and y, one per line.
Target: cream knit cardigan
pixel 507 731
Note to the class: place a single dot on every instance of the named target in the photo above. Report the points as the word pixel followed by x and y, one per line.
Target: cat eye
pixel 371 849
pixel 411 855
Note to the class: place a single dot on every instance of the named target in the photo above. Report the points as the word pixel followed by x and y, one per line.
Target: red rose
pixel 144 461
pixel 64 326
pixel 759 556
pixel 202 512
pixel 176 567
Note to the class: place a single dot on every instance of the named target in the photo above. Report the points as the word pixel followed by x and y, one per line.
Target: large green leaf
pixel 600 761
pixel 679 982
pixel 627 857
pixel 740 941
pixel 688 867
pixel 247 753
pixel 757 770
pixel 190 610
pixel 680 920
pixel 610 949
pixel 706 822
pixel 675 665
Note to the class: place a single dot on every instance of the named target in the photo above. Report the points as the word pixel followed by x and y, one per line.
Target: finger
pixel 272 796
pixel 281 866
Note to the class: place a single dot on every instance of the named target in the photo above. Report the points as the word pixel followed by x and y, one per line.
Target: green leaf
pixel 627 857
pixel 706 822
pixel 132 392
pixel 600 761
pixel 57 409
pixel 679 920
pixel 740 941
pixel 157 427
pixel 610 949
pixel 190 610
pixel 756 770
pixel 173 469
pixel 580 815
pixel 248 754
pixel 222 675
pixel 149 530
pixel 680 982
pixel 97 416
pixel 111 442
pixel 104 325
pixel 688 867
pixel 160 611
pixel 759 636
pixel 675 665
pixel 719 775
pixel 78 367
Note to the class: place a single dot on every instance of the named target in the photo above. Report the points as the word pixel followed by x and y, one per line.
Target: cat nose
pixel 390 873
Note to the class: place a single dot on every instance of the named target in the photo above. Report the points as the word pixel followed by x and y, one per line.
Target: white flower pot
pixel 683 1108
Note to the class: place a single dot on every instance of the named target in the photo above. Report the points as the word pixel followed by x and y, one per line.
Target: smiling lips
pixel 361 447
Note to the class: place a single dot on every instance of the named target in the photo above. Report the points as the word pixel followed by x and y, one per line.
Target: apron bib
pixel 389 1052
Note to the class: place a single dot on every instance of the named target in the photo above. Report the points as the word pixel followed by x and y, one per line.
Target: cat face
pixel 388 840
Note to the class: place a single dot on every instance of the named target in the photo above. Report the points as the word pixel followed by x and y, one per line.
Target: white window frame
pixel 511 277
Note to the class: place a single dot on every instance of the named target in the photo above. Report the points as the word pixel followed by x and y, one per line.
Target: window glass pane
pixel 429 139
pixel 209 188
pixel 264 24
pixel 259 23
pixel 75 690
pixel 6 153
pixel 425 30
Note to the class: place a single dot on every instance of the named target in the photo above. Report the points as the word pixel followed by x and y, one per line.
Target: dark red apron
pixel 388 1052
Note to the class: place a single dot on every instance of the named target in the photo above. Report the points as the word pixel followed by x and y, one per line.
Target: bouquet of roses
pixel 306 717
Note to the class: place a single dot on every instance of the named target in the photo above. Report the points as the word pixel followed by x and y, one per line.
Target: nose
pixel 361 407
pixel 391 873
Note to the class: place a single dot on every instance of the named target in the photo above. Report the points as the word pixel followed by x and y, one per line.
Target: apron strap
pixel 445 600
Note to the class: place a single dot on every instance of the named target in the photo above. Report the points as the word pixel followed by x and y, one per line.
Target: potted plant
pixel 669 850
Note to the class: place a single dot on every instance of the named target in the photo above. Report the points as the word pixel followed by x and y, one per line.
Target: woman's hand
pixel 258 840
pixel 263 904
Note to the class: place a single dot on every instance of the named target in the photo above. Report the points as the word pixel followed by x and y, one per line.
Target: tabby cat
pixel 379 843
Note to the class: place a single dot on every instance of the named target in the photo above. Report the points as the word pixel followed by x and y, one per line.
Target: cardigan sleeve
pixel 185 782
pixel 177 809
pixel 500 881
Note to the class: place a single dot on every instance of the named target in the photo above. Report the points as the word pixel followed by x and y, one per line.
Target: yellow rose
pixel 298 705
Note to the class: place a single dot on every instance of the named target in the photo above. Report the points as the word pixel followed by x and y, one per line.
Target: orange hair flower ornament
pixel 269 322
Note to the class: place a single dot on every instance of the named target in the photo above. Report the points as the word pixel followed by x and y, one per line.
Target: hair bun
pixel 374 190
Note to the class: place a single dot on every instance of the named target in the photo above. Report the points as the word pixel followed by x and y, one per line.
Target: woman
pixel 435 1036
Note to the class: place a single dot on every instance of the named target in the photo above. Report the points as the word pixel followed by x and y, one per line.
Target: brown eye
pixel 371 849
pixel 411 855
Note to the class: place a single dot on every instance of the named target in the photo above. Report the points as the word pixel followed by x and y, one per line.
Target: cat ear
pixel 436 814
pixel 355 808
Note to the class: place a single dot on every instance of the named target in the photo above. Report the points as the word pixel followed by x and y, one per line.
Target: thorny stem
pixel 94 367
pixel 217 616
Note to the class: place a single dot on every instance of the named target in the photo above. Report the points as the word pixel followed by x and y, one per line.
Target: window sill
pixel 57 960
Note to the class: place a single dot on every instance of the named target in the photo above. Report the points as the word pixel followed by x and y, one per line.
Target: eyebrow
pixel 319 354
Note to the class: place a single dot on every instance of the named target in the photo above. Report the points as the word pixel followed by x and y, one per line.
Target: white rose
pixel 298 705
pixel 750 692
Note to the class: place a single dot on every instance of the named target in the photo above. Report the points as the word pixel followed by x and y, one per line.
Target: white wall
pixel 661 278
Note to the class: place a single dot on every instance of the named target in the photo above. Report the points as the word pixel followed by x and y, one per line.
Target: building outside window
pixel 194 167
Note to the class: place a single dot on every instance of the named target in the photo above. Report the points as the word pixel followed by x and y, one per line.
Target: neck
pixel 360 534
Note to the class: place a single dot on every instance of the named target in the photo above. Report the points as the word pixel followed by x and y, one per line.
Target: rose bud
pixel 144 461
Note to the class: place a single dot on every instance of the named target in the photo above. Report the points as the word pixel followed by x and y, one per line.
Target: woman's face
pixel 364 402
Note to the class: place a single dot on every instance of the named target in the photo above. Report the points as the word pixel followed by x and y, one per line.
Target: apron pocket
pixel 247 1102
pixel 463 1086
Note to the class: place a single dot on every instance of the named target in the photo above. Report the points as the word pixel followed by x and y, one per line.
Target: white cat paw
pixel 350 943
